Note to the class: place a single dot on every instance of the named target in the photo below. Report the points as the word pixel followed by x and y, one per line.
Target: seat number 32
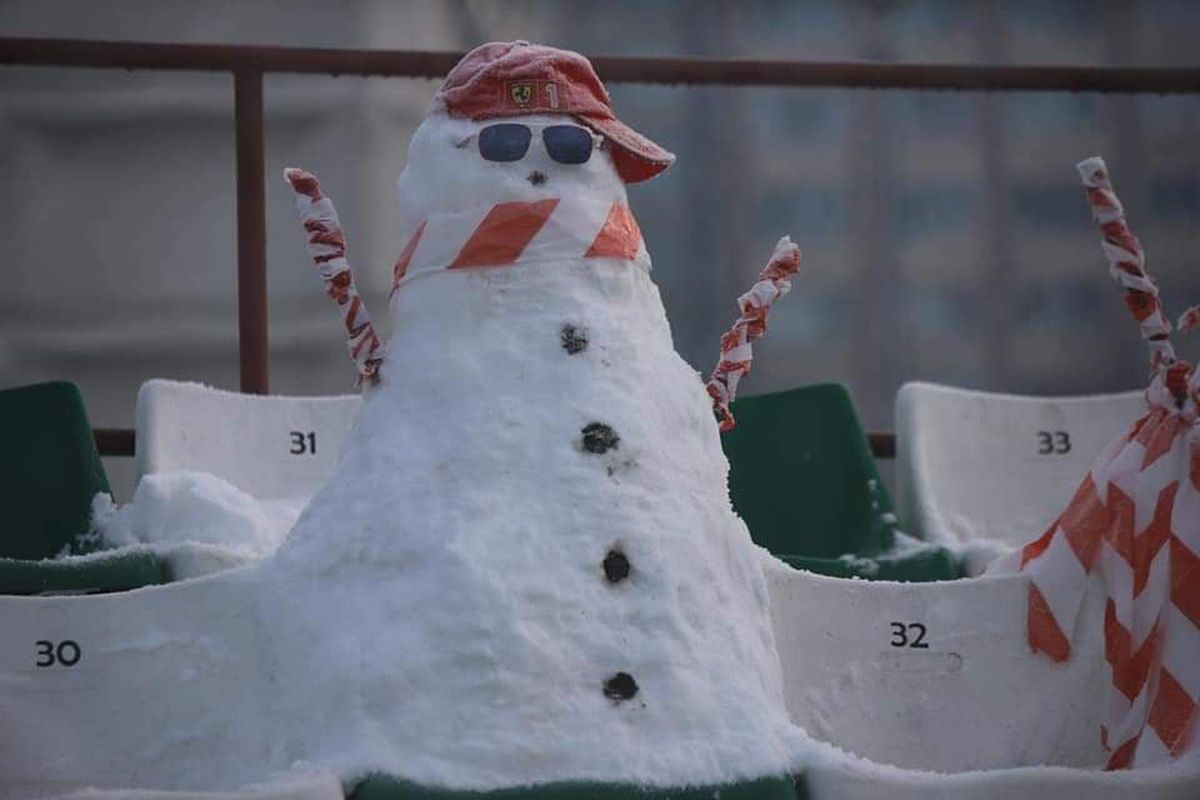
pixel 908 634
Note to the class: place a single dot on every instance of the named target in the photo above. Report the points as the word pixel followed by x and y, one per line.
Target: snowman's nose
pixel 537 177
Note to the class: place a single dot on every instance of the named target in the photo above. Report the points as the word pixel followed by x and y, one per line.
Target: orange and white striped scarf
pixel 507 234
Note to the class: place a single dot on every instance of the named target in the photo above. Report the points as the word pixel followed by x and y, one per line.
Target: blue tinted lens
pixel 504 142
pixel 568 144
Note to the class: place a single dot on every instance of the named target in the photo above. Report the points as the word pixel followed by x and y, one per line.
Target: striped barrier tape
pixel 327 246
pixel 1136 518
pixel 755 305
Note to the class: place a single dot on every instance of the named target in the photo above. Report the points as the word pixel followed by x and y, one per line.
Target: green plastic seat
pixel 802 476
pixel 769 788
pixel 49 473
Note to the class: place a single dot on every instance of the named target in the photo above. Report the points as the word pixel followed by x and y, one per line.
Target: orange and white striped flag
pixel 1135 518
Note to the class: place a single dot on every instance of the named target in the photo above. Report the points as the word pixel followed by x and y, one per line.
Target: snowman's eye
pixel 568 144
pixel 506 141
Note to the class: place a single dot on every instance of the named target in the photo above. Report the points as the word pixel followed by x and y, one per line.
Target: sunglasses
pixel 509 141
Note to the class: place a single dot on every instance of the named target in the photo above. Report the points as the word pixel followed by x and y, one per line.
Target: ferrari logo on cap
pixel 521 93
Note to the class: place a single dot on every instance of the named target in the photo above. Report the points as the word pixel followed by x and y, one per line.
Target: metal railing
pixel 248 65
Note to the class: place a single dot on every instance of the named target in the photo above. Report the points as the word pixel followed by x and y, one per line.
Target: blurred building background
pixel 944 233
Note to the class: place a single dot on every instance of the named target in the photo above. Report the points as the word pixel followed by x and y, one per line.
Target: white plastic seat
pixel 93 686
pixel 936 676
pixel 931 690
pixel 856 779
pixel 321 787
pixel 269 446
pixel 977 465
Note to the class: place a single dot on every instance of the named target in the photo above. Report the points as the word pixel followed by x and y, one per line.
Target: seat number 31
pixel 303 443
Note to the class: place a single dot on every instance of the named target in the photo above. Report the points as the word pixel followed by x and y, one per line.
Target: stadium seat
pixel 303 787
pixel 268 446
pixel 976 465
pixel 802 477
pixel 937 676
pixel 95 687
pixel 49 473
pixel 931 690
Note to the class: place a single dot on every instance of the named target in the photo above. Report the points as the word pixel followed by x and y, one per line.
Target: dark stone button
pixel 574 340
pixel 599 438
pixel 616 566
pixel 620 687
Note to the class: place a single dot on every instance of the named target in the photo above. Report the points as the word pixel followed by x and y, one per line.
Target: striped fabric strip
pixel 504 234
pixel 1135 518
pixel 327 247
pixel 515 233
pixel 755 306
pixel 1126 260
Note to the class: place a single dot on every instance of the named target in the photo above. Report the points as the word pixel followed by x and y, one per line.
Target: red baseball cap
pixel 501 79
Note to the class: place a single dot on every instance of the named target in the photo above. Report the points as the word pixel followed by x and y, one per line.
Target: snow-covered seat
pixel 976 465
pixel 50 472
pixel 269 446
pixel 936 676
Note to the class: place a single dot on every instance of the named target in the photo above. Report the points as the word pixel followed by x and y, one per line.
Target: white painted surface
pixel 970 465
pixel 326 787
pixel 167 690
pixel 976 698
pixel 270 446
pixel 847 778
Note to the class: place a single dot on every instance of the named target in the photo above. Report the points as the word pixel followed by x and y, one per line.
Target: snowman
pixel 525 569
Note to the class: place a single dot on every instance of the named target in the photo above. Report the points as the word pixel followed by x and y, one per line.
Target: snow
pixel 195 521
pixel 185 506
pixel 445 174
pixel 465 528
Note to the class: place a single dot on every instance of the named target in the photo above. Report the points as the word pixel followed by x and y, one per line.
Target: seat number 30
pixel 65 653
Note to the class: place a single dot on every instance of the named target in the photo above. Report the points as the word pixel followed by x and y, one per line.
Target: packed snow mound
pixel 171 509
pixel 466 532
pixel 526 568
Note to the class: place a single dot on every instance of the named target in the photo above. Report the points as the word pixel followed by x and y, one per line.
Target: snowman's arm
pixel 755 305
pixel 327 246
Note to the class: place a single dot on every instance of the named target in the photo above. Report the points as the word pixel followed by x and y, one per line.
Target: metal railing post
pixel 249 63
pixel 253 345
